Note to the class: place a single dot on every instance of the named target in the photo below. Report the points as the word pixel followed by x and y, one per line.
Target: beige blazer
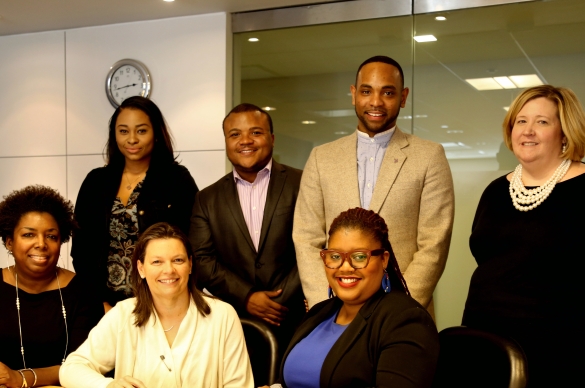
pixel 413 193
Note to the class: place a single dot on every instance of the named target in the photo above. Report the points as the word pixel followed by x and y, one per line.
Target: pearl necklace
pixel 20 327
pixel 527 199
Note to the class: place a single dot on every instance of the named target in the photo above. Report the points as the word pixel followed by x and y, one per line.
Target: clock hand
pixel 127 86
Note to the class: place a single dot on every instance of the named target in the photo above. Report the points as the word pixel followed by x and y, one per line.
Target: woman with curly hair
pixel 141 185
pixel 45 312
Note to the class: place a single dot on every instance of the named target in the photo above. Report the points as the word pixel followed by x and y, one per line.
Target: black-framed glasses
pixel 358 258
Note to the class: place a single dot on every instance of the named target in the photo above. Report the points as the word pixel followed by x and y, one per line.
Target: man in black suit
pixel 241 228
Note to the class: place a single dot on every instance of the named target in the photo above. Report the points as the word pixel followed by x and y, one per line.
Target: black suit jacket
pixel 228 265
pixel 392 342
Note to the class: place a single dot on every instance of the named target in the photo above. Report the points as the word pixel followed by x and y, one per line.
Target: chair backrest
pixel 478 359
pixel 262 349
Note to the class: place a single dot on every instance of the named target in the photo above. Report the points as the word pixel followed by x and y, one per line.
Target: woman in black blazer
pixel 140 185
pixel 371 333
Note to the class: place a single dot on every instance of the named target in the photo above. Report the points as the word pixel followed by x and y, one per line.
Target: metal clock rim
pixel 142 69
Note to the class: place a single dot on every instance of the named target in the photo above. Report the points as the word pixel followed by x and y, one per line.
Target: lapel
pixel 230 198
pixel 347 165
pixel 343 346
pixel 393 160
pixel 275 186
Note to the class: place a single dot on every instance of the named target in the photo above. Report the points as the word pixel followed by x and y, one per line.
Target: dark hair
pixel 246 107
pixel 163 142
pixel 37 198
pixel 372 224
pixel 383 59
pixel 144 304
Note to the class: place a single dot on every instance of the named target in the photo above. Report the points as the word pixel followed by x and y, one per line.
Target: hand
pixel 262 306
pixel 10 378
pixel 126 382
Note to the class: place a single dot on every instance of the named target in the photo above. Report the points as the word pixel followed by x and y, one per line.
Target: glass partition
pixel 303 74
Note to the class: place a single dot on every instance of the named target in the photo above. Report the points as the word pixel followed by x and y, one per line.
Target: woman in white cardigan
pixel 169 335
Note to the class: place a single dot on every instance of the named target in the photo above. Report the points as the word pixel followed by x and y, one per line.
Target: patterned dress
pixel 124 234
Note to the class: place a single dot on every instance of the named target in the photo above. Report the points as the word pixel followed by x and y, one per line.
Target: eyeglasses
pixel 358 258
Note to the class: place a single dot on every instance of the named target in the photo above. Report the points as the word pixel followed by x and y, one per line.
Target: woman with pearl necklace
pixel 527 238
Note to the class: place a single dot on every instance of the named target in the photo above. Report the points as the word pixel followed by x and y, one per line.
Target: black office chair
pixel 479 359
pixel 263 351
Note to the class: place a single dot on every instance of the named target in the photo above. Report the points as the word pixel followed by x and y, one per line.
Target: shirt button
pixel 254 208
pixel 141 212
pixel 371 159
pixel 372 140
pixel 368 185
pixel 169 206
pixel 256 232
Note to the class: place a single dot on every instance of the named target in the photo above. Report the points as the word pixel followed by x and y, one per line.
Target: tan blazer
pixel 413 193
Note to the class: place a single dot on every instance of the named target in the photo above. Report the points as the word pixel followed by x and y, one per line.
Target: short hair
pixel 163 142
pixel 247 107
pixel 33 199
pixel 382 59
pixel 570 114
pixel 144 303
pixel 372 224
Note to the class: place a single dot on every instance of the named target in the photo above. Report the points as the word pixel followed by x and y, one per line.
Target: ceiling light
pixel 444 126
pixel 425 38
pixel 253 40
pixel 506 108
pixel 526 81
pixel 308 122
pixel 505 82
pixel 509 82
pixel 336 113
pixel 268 108
pixel 168 1
pixel 341 133
pixel 420 116
pixel 440 18
pixel 454 131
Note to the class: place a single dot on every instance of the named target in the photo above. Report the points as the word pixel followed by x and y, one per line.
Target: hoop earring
pixel 329 292
pixel 386 286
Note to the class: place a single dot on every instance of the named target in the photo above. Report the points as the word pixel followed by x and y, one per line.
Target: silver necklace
pixel 525 199
pixel 169 329
pixel 20 327
pixel 129 187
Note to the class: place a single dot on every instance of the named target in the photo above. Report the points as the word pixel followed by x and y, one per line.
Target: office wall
pixel 54 111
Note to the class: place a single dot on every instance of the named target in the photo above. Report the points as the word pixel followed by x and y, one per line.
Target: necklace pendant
pixel 129 187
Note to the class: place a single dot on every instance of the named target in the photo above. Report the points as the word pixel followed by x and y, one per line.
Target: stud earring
pixel 329 292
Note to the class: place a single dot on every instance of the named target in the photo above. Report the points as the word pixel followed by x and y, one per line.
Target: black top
pixel 43 327
pixel 167 194
pixel 529 276
pixel 392 342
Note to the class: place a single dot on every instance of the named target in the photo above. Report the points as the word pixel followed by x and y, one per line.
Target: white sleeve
pixel 237 372
pixel 96 356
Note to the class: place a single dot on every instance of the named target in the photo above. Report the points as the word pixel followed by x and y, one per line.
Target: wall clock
pixel 127 78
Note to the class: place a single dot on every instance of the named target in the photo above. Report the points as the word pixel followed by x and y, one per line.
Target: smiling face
pixel 248 142
pixel 134 135
pixel 166 268
pixel 378 96
pixel 35 244
pixel 356 286
pixel 537 135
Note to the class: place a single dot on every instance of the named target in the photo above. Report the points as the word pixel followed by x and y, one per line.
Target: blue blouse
pixel 302 368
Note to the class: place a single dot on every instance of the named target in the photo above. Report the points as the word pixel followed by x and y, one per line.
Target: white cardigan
pixel 208 352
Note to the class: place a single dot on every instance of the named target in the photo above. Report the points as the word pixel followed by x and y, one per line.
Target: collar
pixel 379 138
pixel 266 170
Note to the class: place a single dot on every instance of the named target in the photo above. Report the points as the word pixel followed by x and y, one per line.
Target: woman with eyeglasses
pixel 370 333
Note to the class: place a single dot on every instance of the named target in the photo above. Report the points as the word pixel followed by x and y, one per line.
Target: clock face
pixel 127 78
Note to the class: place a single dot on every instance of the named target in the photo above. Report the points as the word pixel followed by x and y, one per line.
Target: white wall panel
pixel 32 98
pixel 206 167
pixel 16 173
pixel 187 61
pixel 78 167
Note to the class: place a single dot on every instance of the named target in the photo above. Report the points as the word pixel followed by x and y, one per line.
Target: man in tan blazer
pixel 405 179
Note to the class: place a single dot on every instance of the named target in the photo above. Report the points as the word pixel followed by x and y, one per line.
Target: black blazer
pixel 167 194
pixel 227 262
pixel 392 342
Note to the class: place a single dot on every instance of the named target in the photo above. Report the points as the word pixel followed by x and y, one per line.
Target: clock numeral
pixel 139 78
pixel 121 72
pixel 116 94
pixel 127 70
pixel 117 78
